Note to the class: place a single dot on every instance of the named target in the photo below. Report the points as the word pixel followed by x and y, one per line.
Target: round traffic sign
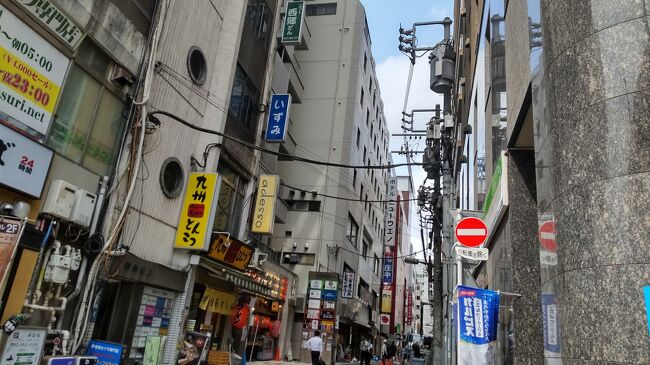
pixel 546 235
pixel 471 232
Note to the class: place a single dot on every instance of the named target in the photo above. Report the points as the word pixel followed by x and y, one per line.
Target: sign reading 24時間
pixel 31 73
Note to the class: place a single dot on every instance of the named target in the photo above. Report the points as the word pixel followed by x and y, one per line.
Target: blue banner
pixel 550 314
pixel 107 353
pixel 329 294
pixel 478 316
pixel 276 123
pixel 388 270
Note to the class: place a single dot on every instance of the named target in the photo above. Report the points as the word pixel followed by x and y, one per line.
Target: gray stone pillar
pixel 593 175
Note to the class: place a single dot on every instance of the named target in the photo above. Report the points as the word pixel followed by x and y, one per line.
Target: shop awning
pixel 241 281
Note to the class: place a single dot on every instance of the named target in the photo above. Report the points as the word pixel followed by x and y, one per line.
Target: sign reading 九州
pixel 195 223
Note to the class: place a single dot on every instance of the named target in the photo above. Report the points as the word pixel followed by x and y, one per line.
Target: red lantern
pixel 240 316
pixel 256 320
pixel 266 322
pixel 275 329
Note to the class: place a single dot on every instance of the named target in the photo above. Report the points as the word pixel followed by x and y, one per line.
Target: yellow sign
pixel 218 301
pixel 386 299
pixel 231 252
pixel 195 223
pixel 263 215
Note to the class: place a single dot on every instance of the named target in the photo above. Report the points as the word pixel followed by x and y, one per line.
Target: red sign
pixel 547 236
pixel 409 309
pixel 471 232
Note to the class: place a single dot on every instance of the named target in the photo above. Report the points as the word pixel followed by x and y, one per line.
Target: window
pixel 230 203
pixel 354 178
pixel 244 99
pixel 304 205
pixel 365 152
pixel 365 64
pixel 361 193
pixel 321 9
pixel 364 248
pixel 259 19
pixel 375 267
pixel 361 100
pixel 299 258
pixel 288 233
pixel 370 86
pixel 352 231
pixel 367 116
pixel 90 116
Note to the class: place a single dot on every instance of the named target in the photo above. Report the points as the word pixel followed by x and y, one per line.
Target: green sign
pixel 292 29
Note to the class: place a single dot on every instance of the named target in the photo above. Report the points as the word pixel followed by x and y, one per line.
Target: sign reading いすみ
pixel 276 124
pixel 31 73
pixel 195 223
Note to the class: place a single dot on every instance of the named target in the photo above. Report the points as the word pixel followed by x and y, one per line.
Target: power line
pixel 264 150
pixel 346 199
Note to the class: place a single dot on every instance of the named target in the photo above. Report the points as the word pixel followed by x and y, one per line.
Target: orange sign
pixel 231 252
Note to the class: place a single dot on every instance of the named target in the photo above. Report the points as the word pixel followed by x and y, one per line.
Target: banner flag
pixel 478 316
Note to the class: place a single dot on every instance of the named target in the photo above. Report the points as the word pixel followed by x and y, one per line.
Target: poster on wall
pixel 193 349
pixel 24 346
pixel 31 73
pixel 24 164
pixel 10 232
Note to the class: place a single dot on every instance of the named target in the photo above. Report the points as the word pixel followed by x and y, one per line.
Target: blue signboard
pixel 329 294
pixel 646 292
pixel 388 270
pixel 550 314
pixel 478 313
pixel 276 123
pixel 62 361
pixel 107 353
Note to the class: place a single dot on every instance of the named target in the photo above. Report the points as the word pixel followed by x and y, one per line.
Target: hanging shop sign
pixel 231 252
pixel 292 27
pixel 391 213
pixel 496 198
pixel 313 303
pixel 217 301
pixel 388 268
pixel 55 20
pixel 264 213
pixel 315 293
pixel 327 315
pixel 330 294
pixel 107 353
pixel 478 314
pixel 10 232
pixel 331 285
pixel 347 289
pixel 195 222
pixel 384 319
pixel 316 284
pixel 276 122
pixel 327 304
pixel 313 313
pixel 24 164
pixel 24 346
pixel 550 313
pixel 386 299
pixel 31 73
pixel 409 308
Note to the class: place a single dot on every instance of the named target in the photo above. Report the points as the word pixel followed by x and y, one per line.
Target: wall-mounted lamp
pixel 295 245
pixel 306 246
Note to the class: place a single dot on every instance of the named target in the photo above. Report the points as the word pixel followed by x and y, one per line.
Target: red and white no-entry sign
pixel 547 235
pixel 471 232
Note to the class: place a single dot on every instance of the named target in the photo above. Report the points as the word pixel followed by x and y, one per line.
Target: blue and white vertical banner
pixel 550 313
pixel 276 123
pixel 478 317
pixel 646 294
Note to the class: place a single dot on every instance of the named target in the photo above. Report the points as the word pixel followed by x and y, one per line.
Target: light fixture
pixel 295 245
pixel 306 246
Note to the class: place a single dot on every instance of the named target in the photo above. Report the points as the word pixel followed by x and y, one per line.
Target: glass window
pixel 352 231
pixel 365 64
pixel 90 118
pixel 361 99
pixel 259 18
pixel 230 204
pixel 321 9
pixel 243 100
pixel 354 178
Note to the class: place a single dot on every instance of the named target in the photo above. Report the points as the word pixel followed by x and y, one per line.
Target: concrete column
pixel 592 126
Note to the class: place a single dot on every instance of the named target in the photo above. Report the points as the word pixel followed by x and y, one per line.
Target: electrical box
pixel 60 199
pixel 58 268
pixel 83 207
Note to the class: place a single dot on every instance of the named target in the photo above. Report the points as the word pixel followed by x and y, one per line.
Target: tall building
pixel 555 95
pixel 335 219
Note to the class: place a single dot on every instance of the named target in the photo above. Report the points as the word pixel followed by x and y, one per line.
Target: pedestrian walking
pixel 365 351
pixel 315 345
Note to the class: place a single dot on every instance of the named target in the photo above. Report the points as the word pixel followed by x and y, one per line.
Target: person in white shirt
pixel 315 345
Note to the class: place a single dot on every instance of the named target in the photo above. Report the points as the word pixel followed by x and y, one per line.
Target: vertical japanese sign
pixel 646 294
pixel 31 73
pixel 388 268
pixel 386 299
pixel 55 20
pixel 391 212
pixel 263 215
pixel 292 28
pixel 478 315
pixel 550 314
pixel 347 289
pixel 409 308
pixel 195 223
pixel 276 123
pixel 10 232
